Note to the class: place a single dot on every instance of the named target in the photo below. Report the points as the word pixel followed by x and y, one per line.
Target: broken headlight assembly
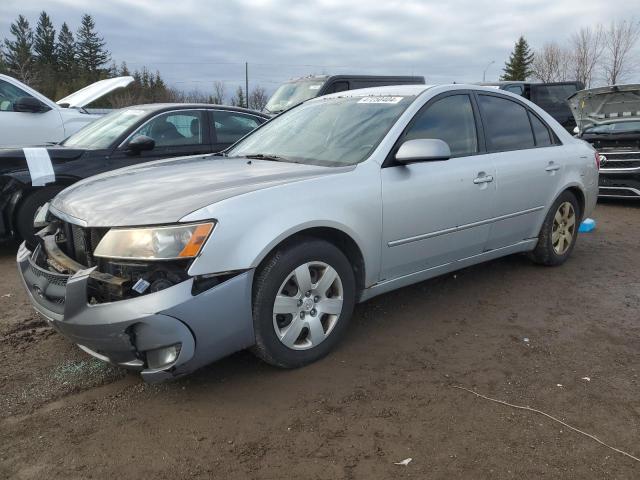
pixel 172 242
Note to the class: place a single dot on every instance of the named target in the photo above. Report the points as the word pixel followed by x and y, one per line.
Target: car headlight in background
pixel 154 243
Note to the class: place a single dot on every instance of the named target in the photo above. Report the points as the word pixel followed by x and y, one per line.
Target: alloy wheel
pixel 307 306
pixel 564 228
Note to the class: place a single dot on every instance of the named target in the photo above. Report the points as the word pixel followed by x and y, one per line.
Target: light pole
pixel 484 73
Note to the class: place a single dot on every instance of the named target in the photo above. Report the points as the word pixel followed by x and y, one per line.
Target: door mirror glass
pixel 29 105
pixel 140 144
pixel 423 150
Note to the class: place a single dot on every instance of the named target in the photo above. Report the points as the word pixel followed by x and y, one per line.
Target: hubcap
pixel 564 228
pixel 308 305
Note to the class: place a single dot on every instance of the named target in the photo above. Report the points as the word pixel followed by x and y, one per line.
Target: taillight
pixel 597 155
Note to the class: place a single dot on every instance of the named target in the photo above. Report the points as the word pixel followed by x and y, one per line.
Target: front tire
pixel 303 298
pixel 559 231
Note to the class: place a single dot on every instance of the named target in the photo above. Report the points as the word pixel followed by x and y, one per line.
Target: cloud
pixel 193 43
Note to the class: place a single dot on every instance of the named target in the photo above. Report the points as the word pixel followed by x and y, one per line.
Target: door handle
pixel 552 167
pixel 483 179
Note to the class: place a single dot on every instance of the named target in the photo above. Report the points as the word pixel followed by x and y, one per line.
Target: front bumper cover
pixel 208 326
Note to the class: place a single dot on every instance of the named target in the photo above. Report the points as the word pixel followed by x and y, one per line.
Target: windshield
pixel 329 131
pixel 102 132
pixel 618 127
pixel 292 93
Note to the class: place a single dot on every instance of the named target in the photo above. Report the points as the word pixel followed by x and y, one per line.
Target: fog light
pixel 163 357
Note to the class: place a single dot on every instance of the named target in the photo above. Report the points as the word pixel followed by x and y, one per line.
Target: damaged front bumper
pixel 163 335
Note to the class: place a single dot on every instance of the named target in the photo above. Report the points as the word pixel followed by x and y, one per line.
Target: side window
pixel 174 129
pixel 517 89
pixel 540 131
pixel 450 119
pixel 8 95
pixel 336 87
pixel 232 126
pixel 507 124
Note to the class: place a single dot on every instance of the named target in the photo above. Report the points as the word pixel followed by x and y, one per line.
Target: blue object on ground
pixel 588 225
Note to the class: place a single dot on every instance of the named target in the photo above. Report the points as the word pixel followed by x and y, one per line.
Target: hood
pixel 164 191
pixel 13 160
pixel 93 92
pixel 605 104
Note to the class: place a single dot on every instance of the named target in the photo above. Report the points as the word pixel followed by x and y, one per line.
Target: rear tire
pixel 559 231
pixel 303 298
pixel 27 210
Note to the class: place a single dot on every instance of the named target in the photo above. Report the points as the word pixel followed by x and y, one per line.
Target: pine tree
pixel 66 61
pixel 519 65
pixel 90 49
pixel 18 54
pixel 44 47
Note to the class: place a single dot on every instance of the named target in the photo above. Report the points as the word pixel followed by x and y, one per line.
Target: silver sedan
pixel 167 266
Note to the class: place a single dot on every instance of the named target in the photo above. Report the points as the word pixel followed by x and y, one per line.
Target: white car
pixel 29 118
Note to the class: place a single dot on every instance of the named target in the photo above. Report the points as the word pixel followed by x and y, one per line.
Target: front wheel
pixel 559 231
pixel 303 298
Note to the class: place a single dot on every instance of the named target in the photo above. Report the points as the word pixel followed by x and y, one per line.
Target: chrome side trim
pixel 630 189
pixel 67 218
pixel 614 170
pixel 425 236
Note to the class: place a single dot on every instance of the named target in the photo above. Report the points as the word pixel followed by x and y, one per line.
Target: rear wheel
pixel 559 231
pixel 302 301
pixel 27 210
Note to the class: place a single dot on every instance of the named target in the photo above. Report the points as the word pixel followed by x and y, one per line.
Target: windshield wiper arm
pixel 265 156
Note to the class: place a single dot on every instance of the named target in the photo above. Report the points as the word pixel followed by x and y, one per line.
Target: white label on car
pixel 140 286
pixel 314 87
pixel 40 167
pixel 380 99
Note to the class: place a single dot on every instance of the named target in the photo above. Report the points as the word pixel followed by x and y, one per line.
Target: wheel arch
pixel 336 237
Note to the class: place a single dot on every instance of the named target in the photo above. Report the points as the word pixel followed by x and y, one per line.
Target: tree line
pixel 592 55
pixel 57 63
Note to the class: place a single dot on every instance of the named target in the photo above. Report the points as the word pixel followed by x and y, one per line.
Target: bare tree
pixel 587 46
pixel 219 93
pixel 619 40
pixel 551 63
pixel 258 98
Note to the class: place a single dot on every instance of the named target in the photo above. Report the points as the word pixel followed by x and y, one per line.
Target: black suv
pixel 293 92
pixel 551 97
pixel 609 119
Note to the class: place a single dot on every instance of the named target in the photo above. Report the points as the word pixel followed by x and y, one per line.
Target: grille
pixel 615 163
pixel 81 242
pixel 56 279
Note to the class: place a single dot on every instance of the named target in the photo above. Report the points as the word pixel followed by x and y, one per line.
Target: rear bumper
pixel 204 327
pixel 616 184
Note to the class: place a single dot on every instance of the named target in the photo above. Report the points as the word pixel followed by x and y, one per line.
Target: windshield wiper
pixel 265 156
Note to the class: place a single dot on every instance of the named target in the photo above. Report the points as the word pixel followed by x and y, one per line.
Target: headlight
pixel 154 243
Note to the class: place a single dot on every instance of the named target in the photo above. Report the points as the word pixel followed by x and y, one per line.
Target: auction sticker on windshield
pixel 380 99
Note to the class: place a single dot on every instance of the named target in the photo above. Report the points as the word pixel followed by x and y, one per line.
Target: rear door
pixel 176 133
pixel 437 212
pixel 229 126
pixel 527 159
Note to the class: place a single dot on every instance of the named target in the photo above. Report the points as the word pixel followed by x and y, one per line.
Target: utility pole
pixel 246 83
pixel 484 73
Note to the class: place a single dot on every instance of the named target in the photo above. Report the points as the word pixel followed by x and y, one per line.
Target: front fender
pixel 252 225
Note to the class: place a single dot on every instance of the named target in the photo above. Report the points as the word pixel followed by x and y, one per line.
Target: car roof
pixel 416 90
pixel 159 107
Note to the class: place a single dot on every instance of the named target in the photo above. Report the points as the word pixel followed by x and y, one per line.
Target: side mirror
pixel 423 150
pixel 140 144
pixel 29 105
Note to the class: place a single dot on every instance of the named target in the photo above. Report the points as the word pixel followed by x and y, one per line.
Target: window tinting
pixel 174 129
pixel 450 119
pixel 540 131
pixel 338 87
pixel 507 124
pixel 231 126
pixel 517 89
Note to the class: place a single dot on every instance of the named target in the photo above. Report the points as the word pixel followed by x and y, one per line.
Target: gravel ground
pixel 563 340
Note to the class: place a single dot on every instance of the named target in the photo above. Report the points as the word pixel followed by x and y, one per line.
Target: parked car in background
pixel 167 266
pixel 609 119
pixel 295 91
pixel 551 97
pixel 29 118
pixel 30 177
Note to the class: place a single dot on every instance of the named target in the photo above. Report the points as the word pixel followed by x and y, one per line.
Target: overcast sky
pixel 193 43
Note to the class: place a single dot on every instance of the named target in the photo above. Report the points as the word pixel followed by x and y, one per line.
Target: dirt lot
pixel 508 329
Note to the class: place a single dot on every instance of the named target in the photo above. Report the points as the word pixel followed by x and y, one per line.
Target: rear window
pixel 550 96
pixel 540 132
pixel 506 123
